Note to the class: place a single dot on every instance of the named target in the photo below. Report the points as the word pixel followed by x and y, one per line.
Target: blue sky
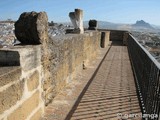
pixel 117 11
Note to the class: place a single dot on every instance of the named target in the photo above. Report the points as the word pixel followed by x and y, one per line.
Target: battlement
pixel 33 75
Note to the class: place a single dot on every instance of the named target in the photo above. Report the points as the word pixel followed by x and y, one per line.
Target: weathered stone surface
pixel 9 74
pixel 26 108
pixel 77 21
pixel 105 36
pixel 73 19
pixel 50 94
pixel 32 28
pixel 30 57
pixel 65 59
pixel 63 102
pixel 37 115
pixel 33 81
pixel 92 25
pixel 11 95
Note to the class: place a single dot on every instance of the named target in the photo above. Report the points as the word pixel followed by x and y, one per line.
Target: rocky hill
pixel 142 23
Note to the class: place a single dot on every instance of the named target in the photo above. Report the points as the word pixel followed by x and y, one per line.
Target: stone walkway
pixel 112 93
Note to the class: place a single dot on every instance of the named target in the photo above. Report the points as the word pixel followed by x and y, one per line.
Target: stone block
pixel 33 81
pixel 9 74
pixel 65 59
pixel 30 57
pixel 26 108
pixel 32 27
pixel 77 21
pixel 37 115
pixel 11 95
pixel 50 94
pixel 93 25
pixel 105 38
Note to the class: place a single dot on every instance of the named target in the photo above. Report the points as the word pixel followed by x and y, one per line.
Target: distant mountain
pixel 138 26
pixel 142 24
pixel 103 25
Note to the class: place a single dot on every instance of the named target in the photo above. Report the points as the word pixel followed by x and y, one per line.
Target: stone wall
pixel 43 71
pixel 33 73
pixel 105 39
pixel 113 35
pixel 67 55
pixel 20 86
pixel 116 35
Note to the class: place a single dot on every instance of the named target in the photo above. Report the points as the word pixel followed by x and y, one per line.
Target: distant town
pixel 8 39
pixel 7 36
pixel 151 41
pixel 146 34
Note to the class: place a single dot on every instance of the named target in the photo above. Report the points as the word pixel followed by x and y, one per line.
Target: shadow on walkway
pixel 111 92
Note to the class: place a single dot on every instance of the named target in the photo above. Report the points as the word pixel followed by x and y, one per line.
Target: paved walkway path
pixel 112 90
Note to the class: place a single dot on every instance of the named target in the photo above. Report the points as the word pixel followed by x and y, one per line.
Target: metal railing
pixel 147 75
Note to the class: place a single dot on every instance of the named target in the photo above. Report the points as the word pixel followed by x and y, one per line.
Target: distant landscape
pixel 148 35
pixel 139 25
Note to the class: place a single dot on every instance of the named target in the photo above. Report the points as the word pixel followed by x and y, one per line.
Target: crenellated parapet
pixel 36 70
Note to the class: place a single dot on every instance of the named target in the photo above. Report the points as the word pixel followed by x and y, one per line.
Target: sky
pixel 116 11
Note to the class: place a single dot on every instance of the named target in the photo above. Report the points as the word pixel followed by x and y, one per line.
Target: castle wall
pixel 116 35
pixel 27 88
pixel 33 73
pixel 67 56
pixel 21 86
